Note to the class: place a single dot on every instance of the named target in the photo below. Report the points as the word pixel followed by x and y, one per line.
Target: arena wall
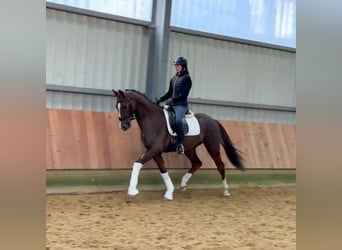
pixel 79 139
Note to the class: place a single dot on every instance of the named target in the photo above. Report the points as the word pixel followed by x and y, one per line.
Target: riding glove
pixel 169 102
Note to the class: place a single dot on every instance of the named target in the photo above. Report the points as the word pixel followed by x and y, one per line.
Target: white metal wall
pixel 231 71
pixel 91 52
pixel 245 114
pixel 59 100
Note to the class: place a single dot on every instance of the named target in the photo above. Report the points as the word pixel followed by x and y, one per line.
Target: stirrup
pixel 180 149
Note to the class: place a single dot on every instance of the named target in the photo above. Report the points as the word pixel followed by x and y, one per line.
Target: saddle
pixel 190 123
pixel 172 119
pixel 190 126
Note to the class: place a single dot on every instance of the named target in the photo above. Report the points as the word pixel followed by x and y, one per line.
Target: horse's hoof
pixel 168 197
pixel 133 192
pixel 183 188
pixel 226 193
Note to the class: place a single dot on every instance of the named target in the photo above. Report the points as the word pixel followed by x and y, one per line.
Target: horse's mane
pixel 141 94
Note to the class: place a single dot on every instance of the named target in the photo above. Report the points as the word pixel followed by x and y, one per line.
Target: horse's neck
pixel 142 111
pixel 143 106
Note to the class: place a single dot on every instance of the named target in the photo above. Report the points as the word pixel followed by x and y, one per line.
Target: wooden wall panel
pixel 93 140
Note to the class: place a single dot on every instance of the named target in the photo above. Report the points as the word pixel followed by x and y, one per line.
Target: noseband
pixel 127 119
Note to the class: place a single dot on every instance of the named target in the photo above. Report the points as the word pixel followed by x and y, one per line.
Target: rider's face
pixel 178 68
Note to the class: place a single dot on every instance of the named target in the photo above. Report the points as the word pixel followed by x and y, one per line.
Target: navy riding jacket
pixel 180 85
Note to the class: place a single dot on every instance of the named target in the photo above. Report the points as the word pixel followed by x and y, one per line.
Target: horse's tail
pixel 233 153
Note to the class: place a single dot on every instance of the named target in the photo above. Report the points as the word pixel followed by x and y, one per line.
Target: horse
pixel 134 105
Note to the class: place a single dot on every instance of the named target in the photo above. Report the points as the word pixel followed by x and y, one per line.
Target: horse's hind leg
pixel 213 149
pixel 195 164
pixel 166 178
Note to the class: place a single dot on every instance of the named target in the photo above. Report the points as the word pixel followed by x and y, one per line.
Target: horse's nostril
pixel 125 127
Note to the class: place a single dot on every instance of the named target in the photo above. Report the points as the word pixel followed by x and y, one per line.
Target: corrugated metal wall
pixel 58 100
pixel 91 52
pixel 245 114
pixel 230 71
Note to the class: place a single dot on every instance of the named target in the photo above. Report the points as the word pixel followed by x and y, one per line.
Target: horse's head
pixel 125 107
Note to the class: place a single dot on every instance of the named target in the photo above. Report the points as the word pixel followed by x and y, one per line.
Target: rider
pixel 177 96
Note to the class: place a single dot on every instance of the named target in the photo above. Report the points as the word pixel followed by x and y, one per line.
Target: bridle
pixel 131 113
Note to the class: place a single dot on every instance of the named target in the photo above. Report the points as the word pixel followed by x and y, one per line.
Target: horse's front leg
pixel 133 183
pixel 166 178
pixel 132 188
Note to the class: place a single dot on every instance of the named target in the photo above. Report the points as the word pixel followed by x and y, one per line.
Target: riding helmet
pixel 181 61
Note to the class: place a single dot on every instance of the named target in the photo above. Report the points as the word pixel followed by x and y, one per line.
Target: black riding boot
pixel 180 135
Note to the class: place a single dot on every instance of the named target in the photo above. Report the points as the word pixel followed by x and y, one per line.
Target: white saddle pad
pixel 194 128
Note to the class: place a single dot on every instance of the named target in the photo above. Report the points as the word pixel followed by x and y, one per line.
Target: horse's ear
pixel 121 93
pixel 115 92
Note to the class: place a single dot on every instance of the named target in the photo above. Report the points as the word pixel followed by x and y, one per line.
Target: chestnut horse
pixel 132 104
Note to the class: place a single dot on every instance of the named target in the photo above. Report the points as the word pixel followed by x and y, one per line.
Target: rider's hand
pixel 169 102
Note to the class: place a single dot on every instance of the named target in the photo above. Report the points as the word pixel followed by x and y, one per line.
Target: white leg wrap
pixel 169 186
pixel 185 180
pixel 225 187
pixel 132 189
